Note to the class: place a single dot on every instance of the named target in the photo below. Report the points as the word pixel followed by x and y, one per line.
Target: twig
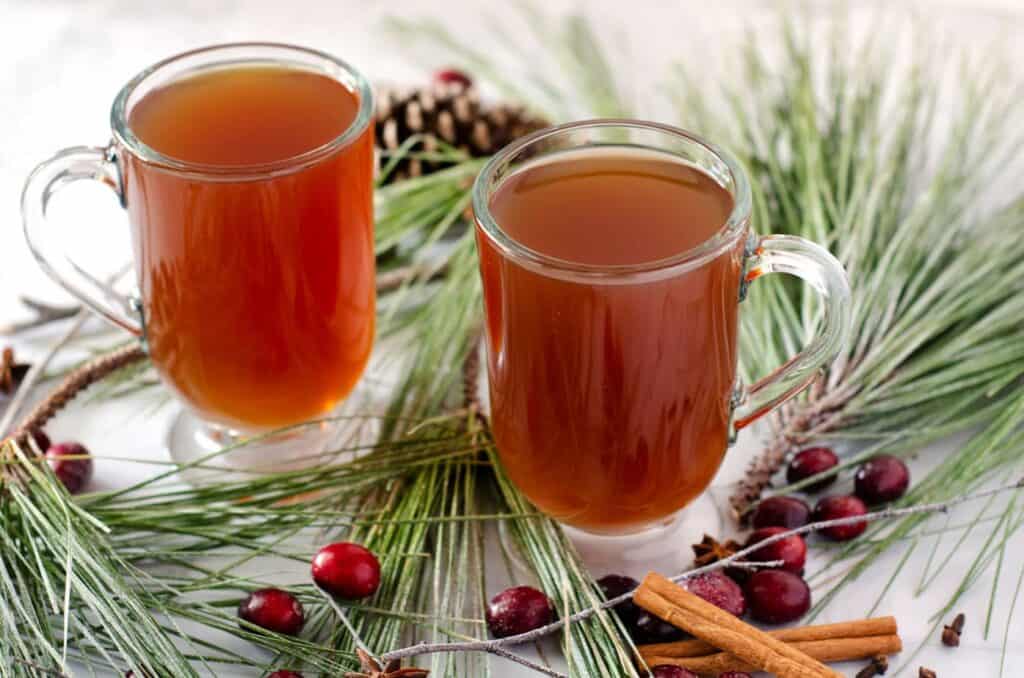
pixel 44 315
pixel 536 634
pixel 356 638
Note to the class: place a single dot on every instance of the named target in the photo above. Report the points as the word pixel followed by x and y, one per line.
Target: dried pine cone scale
pixel 445 114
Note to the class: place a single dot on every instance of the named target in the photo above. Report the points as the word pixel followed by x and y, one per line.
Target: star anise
pixel 11 372
pixel 710 550
pixel 371 668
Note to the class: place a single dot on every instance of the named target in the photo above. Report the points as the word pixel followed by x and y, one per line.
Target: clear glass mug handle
pixel 818 268
pixel 78 163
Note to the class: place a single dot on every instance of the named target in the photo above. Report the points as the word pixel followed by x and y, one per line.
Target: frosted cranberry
pixel 811 462
pixel 719 590
pixel 285 674
pixel 652 629
pixel 453 76
pixel 791 550
pixel 274 610
pixel 787 512
pixel 346 570
pixel 670 671
pixel 518 610
pixel 613 586
pixel 835 508
pixel 882 479
pixel 71 464
pixel 777 596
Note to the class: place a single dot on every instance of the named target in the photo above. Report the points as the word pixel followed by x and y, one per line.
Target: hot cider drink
pixel 614 255
pixel 610 401
pixel 258 291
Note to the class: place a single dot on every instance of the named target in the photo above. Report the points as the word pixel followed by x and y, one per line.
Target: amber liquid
pixel 258 285
pixel 610 398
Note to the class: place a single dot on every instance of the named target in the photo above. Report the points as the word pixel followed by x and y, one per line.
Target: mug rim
pixel 723 238
pixel 125 136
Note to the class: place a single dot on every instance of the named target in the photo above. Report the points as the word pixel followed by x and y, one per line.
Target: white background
pixel 63 62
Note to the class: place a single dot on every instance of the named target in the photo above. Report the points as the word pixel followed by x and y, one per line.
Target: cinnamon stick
pixel 860 628
pixel 679 607
pixel 832 650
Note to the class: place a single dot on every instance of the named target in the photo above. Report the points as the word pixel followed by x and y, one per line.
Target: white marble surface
pixel 64 61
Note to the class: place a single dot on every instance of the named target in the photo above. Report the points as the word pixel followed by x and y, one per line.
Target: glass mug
pixel 256 272
pixel 613 388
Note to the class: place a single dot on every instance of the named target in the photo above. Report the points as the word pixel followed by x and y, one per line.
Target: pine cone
pixel 450 113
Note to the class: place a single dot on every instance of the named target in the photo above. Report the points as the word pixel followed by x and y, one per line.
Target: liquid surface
pixel 259 294
pixel 244 115
pixel 608 209
pixel 610 402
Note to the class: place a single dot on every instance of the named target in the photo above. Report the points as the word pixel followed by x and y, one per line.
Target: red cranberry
pixel 777 596
pixel 613 586
pixel 642 626
pixel 453 76
pixel 518 610
pixel 42 440
pixel 670 671
pixel 811 462
pixel 834 508
pixel 788 512
pixel 75 473
pixel 346 570
pixel 791 550
pixel 882 479
pixel 274 610
pixel 734 674
pixel 651 629
pixel 285 674
pixel 718 589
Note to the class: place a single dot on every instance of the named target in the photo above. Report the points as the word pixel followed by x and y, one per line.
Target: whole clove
pixel 951 633
pixel 878 666
pixel 925 673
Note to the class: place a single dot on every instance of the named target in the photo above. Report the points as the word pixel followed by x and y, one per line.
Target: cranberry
pixel 285 674
pixel 72 473
pixel 651 629
pixel 811 462
pixel 777 596
pixel 834 508
pixel 788 512
pixel 453 76
pixel 346 570
pixel 670 671
pixel 734 674
pixel 791 550
pixel 42 440
pixel 719 590
pixel 274 610
pixel 882 479
pixel 613 586
pixel 518 610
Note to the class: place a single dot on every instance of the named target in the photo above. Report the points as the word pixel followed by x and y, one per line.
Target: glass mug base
pixel 661 548
pixel 204 450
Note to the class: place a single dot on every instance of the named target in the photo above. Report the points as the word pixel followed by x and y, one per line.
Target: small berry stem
pixel 356 638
